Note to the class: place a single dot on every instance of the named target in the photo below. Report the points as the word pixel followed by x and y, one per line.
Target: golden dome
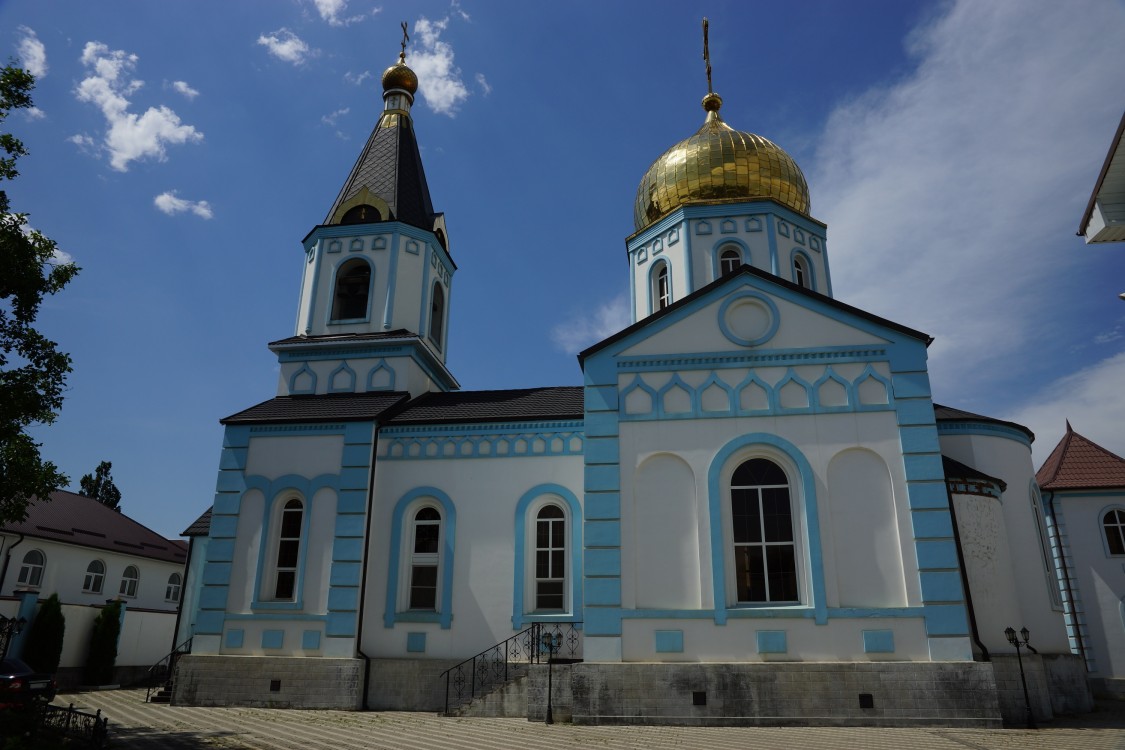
pixel 399 76
pixel 717 165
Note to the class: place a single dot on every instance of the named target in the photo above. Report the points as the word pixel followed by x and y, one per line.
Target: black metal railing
pixel 92 730
pixel 507 660
pixel 160 675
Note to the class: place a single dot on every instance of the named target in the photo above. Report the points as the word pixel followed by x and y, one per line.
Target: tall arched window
pixel 288 549
pixel 130 579
pixel 424 559
pixel 661 288
pixel 31 572
pixel 765 555
pixel 95 577
pixel 353 286
pixel 437 313
pixel 172 591
pixel 1113 523
pixel 550 559
pixel 801 275
pixel 729 260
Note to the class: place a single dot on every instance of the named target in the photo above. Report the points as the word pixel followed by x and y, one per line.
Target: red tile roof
pixel 1079 463
pixel 76 519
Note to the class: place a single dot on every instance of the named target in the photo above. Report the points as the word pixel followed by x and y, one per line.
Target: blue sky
pixel 181 150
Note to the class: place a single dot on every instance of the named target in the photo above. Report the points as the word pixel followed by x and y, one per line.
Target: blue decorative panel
pixel 772 642
pixel 642 256
pixel 335 246
pixel 878 642
pixel 412 247
pixel 754 224
pixel 340 624
pixel 669 641
pixel 727 226
pixel 356 246
pixel 783 229
pixel 273 638
pixel 234 638
pixel 380 243
pixel 310 640
pixel 416 643
pixel 703 227
pixel 673 236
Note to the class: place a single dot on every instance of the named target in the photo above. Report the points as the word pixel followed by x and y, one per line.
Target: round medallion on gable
pixel 748 319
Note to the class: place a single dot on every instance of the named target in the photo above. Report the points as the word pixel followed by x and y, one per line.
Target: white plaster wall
pixel 819 437
pixel 325 286
pixel 666 539
pixel 408 375
pixel 318 554
pixel 192 585
pixel 146 638
pixel 703 250
pixel 1099 576
pixel 65 572
pixel 988 563
pixel 306 456
pixel 485 493
pixel 1010 460
pixel 247 543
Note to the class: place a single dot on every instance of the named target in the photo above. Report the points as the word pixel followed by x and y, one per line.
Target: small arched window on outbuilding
pixel 361 214
pixel 437 314
pixel 130 579
pixel 661 288
pixel 95 577
pixel 1113 524
pixel 288 550
pixel 729 260
pixel 31 571
pixel 172 590
pixel 801 275
pixel 353 288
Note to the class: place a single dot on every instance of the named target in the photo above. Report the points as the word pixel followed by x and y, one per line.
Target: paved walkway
pixel 137 725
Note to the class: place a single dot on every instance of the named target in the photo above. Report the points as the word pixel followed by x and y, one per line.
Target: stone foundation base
pixel 268 682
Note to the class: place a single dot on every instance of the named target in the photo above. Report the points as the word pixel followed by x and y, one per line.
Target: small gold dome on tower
pixel 400 76
pixel 719 165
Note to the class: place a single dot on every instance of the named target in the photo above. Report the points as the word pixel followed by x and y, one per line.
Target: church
pixel 752 511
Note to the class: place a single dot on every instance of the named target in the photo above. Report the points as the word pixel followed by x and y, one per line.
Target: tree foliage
pixel 100 486
pixel 103 646
pixel 32 369
pixel 43 647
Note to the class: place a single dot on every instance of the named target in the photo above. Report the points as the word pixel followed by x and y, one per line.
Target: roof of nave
pixel 346 338
pixel 949 414
pixel 561 402
pixel 333 407
pixel 81 520
pixel 200 526
pixel 1079 463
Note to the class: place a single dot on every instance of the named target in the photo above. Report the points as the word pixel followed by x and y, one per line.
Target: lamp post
pixel 551 642
pixel 1025 634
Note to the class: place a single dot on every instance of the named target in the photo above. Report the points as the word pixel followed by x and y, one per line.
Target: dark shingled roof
pixel 390 166
pixel 1078 463
pixel 561 402
pixel 949 414
pixel 400 333
pixel 954 469
pixel 200 527
pixel 76 519
pixel 342 407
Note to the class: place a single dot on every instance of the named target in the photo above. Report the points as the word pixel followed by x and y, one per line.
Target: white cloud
pixel 61 257
pixel 483 83
pixel 83 141
pixel 333 12
pixel 455 6
pixel 588 328
pixel 1092 399
pixel 128 136
pixel 357 78
pixel 32 53
pixel 287 46
pixel 331 118
pixel 951 194
pixel 439 80
pixel 34 113
pixel 182 87
pixel 170 204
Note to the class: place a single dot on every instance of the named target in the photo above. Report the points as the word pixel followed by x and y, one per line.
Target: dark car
pixel 20 684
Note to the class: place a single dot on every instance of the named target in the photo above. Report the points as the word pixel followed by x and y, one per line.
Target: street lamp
pixel 551 642
pixel 1025 634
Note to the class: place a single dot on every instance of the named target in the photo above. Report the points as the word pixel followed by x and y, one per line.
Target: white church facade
pixel 751 510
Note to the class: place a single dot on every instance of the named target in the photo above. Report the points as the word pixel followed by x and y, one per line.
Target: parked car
pixel 20 684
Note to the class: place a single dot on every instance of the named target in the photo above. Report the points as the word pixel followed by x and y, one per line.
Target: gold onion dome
pixel 717 165
pixel 400 76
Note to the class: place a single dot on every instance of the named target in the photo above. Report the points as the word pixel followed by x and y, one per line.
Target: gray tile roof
pixel 949 414
pixel 954 469
pixel 343 407
pixel 76 519
pixel 400 333
pixel 200 527
pixel 560 402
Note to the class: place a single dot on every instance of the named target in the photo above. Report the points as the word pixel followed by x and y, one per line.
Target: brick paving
pixel 136 725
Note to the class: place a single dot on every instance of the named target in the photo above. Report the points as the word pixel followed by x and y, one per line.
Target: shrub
pixel 43 647
pixel 103 646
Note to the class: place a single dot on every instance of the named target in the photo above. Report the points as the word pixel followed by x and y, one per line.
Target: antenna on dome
pixel 405 39
pixel 707 56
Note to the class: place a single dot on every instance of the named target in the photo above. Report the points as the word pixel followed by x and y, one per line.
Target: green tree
pixel 100 486
pixel 44 644
pixel 103 646
pixel 32 369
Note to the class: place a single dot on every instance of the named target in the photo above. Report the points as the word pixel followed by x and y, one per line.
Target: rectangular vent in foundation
pixel 866 700
pixel 275 686
pixel 699 698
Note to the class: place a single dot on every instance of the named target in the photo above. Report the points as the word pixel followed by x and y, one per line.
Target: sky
pixel 180 151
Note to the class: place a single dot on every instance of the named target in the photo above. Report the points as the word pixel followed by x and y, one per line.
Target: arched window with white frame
pixel 95 577
pixel 288 548
pixel 1113 526
pixel 130 581
pixel 31 571
pixel 661 287
pixel 173 589
pixel 425 559
pixel 352 292
pixel 437 314
pixel 730 260
pixel 762 531
pixel 550 559
pixel 802 276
